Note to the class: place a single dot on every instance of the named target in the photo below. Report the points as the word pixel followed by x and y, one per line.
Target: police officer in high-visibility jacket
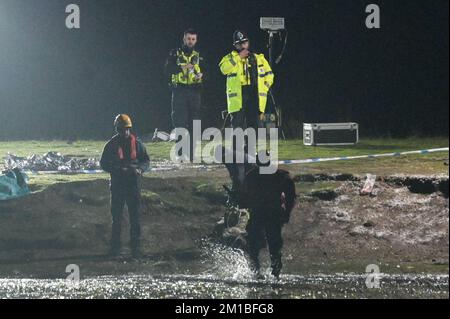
pixel 185 76
pixel 249 78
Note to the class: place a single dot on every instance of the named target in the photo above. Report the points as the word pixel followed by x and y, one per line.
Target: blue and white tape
pixel 344 158
pixel 82 171
pixel 284 162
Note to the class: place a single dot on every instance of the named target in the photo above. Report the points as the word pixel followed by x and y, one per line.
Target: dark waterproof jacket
pixel 119 153
pixel 271 196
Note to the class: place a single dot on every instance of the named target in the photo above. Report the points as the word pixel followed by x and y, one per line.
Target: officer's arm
pixel 203 69
pixel 269 78
pixel 289 190
pixel 106 160
pixel 143 158
pixel 229 64
pixel 171 66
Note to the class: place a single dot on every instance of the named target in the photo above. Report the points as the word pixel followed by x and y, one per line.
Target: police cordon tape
pixel 343 158
pixel 82 171
pixel 284 162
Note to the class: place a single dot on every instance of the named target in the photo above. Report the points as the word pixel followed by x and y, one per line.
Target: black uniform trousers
pixel 186 104
pixel 247 117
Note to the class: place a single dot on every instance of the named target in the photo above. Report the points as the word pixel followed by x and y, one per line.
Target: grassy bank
pixel 289 149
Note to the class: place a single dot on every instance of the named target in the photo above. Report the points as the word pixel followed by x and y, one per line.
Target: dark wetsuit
pixel 270 199
pixel 125 185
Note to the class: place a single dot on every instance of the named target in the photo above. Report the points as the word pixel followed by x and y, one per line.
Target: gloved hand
pixel 187 66
pixel 262 117
pixel 131 171
pixel 199 76
pixel 285 215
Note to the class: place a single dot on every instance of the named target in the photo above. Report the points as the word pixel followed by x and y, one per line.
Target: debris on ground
pixel 57 162
pixel 51 161
pixel 325 195
pixel 163 136
pixel 368 185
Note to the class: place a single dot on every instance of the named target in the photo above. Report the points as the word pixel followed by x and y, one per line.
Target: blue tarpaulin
pixel 13 184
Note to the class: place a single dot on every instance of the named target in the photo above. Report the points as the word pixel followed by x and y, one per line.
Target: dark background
pixel 60 83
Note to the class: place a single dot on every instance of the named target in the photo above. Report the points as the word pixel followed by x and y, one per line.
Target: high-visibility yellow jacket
pixel 185 77
pixel 233 67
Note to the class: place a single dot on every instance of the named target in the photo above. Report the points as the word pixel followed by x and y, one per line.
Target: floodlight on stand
pixel 275 25
pixel 272 24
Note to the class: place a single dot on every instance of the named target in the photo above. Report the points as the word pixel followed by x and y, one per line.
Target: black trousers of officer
pixel 247 117
pixel 186 104
pixel 130 195
pixel 265 226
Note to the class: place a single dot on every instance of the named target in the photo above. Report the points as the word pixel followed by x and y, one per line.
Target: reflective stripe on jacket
pixel 187 77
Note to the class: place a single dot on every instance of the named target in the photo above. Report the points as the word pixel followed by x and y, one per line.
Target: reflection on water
pixel 228 276
pixel 207 286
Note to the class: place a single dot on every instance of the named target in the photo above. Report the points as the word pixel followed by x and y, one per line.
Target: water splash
pixel 223 262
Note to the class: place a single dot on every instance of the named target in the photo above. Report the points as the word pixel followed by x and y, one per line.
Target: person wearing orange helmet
pixel 126 159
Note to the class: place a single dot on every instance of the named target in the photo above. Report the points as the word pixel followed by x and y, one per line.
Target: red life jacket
pixel 133 150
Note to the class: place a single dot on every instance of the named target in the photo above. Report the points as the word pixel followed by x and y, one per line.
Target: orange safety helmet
pixel 122 121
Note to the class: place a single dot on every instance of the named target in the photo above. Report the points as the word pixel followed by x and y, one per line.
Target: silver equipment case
pixel 330 133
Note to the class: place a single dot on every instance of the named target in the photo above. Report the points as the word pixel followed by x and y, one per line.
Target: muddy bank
pixel 415 183
pixel 395 227
pixel 333 228
pixel 70 223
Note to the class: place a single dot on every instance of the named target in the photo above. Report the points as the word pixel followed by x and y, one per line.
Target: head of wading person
pixel 125 158
pixel 123 125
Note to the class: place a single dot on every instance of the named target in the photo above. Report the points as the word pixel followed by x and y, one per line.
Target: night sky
pixel 61 83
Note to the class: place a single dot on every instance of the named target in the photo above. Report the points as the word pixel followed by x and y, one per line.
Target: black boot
pixel 255 267
pixel 116 243
pixel 136 251
pixel 277 265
